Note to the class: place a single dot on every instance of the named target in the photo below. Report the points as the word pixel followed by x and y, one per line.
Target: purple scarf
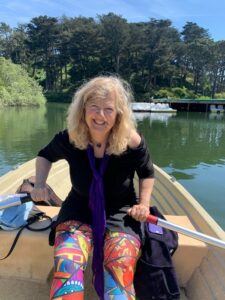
pixel 97 206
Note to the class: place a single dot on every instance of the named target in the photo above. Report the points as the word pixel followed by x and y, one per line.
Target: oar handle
pixel 18 199
pixel 152 219
pixel 186 231
pixel 26 199
pixel 14 200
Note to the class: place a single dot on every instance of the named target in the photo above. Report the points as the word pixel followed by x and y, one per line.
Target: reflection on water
pixel 185 140
pixel 154 116
pixel 189 146
pixel 216 116
pixel 140 116
pixel 23 130
pixel 161 117
pixel 179 174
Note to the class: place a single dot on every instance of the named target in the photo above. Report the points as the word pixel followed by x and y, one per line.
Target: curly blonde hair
pixel 99 88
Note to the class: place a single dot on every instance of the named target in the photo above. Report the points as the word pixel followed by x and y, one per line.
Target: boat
pixel 152 107
pixel 216 108
pixel 26 274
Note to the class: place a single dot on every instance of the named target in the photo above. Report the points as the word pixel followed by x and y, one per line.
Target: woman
pixel 103 150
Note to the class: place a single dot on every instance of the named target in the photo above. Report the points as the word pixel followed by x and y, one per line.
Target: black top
pixel 118 182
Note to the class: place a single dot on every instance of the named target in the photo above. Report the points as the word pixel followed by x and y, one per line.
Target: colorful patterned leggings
pixel 73 244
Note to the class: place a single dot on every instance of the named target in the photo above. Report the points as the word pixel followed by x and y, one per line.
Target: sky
pixel 206 13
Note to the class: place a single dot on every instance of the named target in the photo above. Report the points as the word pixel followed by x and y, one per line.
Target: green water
pixel 188 146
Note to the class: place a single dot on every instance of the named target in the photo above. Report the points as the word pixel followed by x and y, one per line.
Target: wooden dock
pixel 192 105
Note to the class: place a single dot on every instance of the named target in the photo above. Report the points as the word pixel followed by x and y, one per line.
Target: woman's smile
pixel 99 122
pixel 100 115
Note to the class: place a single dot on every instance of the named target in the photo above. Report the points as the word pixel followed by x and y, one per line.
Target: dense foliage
pixel 16 87
pixel 157 59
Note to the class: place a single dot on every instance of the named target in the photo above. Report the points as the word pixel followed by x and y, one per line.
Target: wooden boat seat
pixel 189 249
pixel 32 258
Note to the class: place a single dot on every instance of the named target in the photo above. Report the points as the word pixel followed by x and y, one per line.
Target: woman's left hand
pixel 139 212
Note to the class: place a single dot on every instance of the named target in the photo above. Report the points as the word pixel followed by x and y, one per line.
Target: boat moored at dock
pixel 151 107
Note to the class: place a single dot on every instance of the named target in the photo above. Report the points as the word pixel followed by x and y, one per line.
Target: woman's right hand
pixel 40 194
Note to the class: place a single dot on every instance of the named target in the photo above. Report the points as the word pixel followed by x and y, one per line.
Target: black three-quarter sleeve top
pixel 118 182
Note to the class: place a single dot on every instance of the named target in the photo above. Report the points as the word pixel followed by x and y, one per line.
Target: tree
pixel 217 68
pixel 115 31
pixel 133 67
pixel 64 47
pixel 61 53
pixel 84 49
pixel 19 53
pixel 43 45
pixel 5 44
pixel 160 41
pixel 192 32
pixel 197 52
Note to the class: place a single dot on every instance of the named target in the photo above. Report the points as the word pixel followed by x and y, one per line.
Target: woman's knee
pixel 73 243
pixel 120 255
pixel 72 248
pixel 120 252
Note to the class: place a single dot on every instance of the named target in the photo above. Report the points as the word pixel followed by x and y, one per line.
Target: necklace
pixel 98 144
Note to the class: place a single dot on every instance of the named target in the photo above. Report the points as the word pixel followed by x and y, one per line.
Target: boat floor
pixel 34 291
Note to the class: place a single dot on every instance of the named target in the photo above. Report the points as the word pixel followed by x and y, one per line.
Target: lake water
pixel 188 146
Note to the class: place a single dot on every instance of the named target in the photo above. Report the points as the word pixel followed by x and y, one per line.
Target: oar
pixel 14 200
pixel 191 233
pixel 18 199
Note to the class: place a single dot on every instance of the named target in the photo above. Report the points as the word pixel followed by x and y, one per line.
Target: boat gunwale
pixel 214 226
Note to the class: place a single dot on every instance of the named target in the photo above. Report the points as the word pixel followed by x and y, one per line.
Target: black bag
pixel 27 187
pixel 155 276
pixel 31 220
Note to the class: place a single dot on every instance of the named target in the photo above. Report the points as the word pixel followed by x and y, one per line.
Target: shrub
pixel 180 92
pixel 175 93
pixel 163 93
pixel 16 87
pixel 203 98
pixel 220 95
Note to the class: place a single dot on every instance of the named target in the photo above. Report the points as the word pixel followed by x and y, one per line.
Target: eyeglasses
pixel 96 109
